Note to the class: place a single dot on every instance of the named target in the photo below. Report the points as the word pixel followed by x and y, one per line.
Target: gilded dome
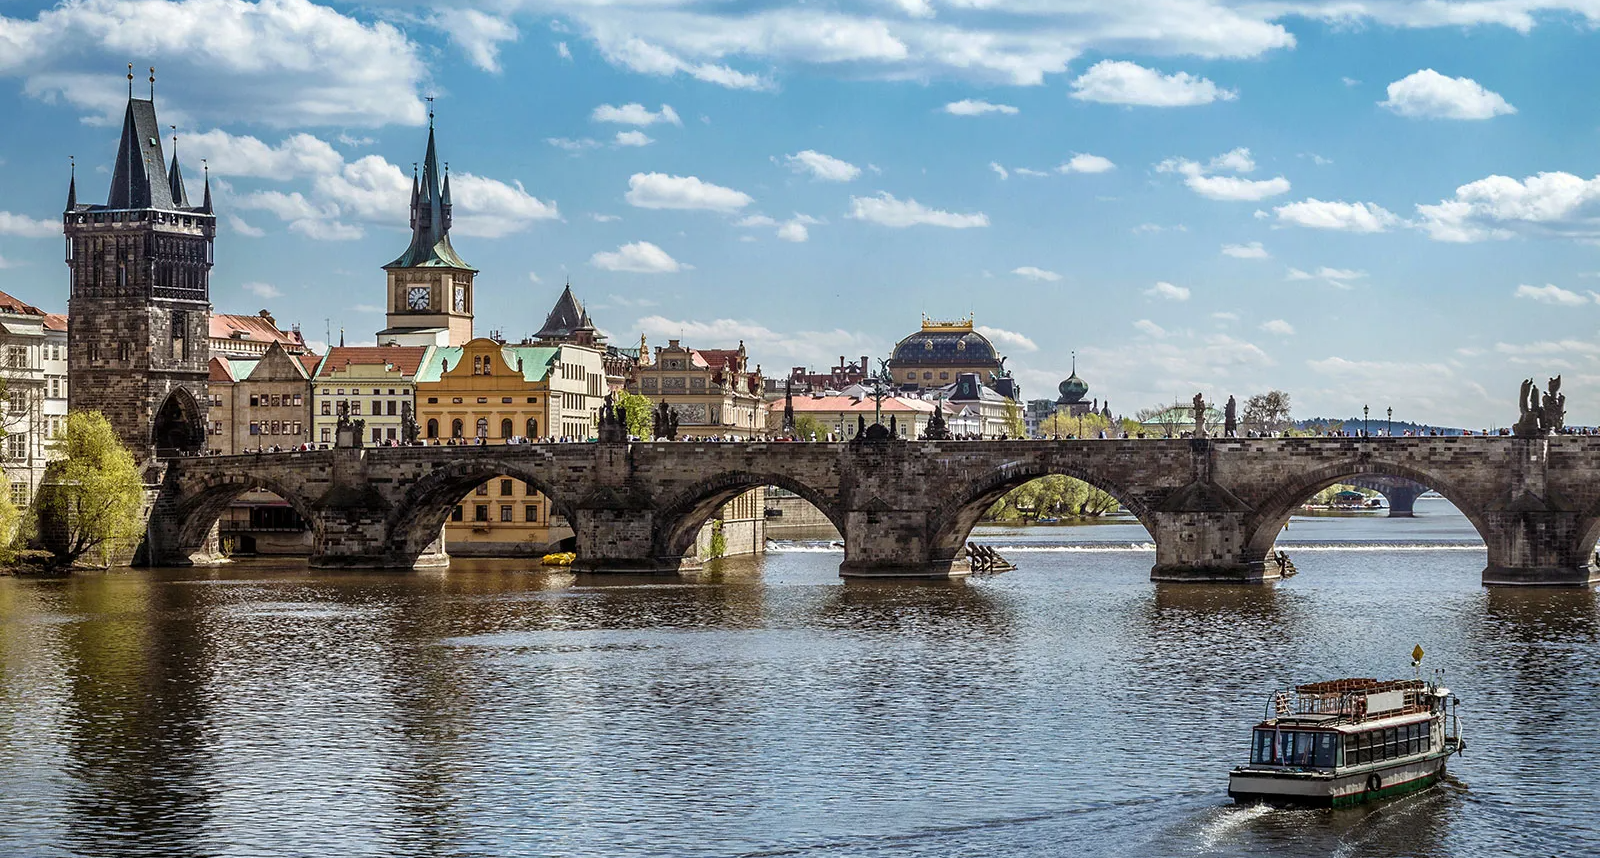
pixel 945 344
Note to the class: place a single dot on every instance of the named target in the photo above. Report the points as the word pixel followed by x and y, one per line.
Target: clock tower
pixel 430 287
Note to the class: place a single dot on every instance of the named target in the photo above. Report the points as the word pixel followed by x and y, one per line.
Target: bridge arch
pixel 679 517
pixel 203 504
pixel 951 523
pixel 415 523
pixel 1275 510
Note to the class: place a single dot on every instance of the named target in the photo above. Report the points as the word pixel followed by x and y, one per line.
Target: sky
pixel 1382 203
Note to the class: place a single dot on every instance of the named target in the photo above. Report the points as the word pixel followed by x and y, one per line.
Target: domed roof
pixel 945 344
pixel 1072 390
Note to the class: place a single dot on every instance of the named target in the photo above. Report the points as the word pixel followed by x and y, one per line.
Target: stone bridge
pixel 1214 507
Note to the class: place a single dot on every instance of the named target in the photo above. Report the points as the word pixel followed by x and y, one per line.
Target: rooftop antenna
pixel 130 80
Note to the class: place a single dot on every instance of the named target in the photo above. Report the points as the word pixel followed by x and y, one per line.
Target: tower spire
pixel 206 206
pixel 72 183
pixel 180 197
pixel 430 212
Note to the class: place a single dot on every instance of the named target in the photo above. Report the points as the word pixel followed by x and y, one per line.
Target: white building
pixel 33 368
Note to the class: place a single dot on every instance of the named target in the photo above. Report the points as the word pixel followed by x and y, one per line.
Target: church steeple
pixel 72 186
pixel 430 217
pixel 180 198
pixel 206 206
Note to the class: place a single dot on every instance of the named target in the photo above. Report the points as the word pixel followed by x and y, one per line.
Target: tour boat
pixel 1347 741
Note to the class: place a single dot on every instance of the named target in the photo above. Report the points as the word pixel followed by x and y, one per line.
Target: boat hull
pixel 1344 789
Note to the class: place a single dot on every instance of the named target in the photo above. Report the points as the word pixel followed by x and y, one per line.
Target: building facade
pixel 140 297
pixel 251 336
pixel 28 353
pixel 936 355
pixel 260 404
pixel 429 287
pixel 373 384
pixel 713 391
pixel 842 415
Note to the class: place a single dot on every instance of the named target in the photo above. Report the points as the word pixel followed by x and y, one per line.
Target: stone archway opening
pixel 480 511
pixel 242 518
pixel 733 514
pixel 177 430
pixel 1049 507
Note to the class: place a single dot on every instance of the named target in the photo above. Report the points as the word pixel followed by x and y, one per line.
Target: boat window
pixel 1326 753
pixel 1391 743
pixel 1261 750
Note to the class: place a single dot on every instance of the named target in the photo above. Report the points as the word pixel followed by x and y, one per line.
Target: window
pixel 505 512
pixel 455 428
pixel 326 435
pixel 355 407
pixel 480 512
pixel 433 400
pixel 16 357
pixel 455 514
pixel 927 376
pixel 483 427
pixel 483 489
pixel 377 434
pixel 505 400
pixel 389 410
pixel 296 428
pixel 533 428
pixel 388 434
pixel 505 428
pixel 298 401
pixel 255 400
pixel 530 513
pixel 505 487
pixel 17 445
pixel 255 428
pixel 532 400
pixel 17 401
pixel 19 494
pixel 433 428
pixel 483 400
pixel 327 407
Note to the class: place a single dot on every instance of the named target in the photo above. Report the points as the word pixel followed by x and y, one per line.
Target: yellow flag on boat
pixel 1416 653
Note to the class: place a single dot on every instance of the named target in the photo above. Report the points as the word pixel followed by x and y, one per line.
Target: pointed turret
pixel 72 188
pixel 444 197
pixel 430 218
pixel 139 179
pixel 206 206
pixel 180 198
pixel 568 321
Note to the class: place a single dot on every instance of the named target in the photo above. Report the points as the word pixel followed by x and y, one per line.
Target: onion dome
pixel 1074 388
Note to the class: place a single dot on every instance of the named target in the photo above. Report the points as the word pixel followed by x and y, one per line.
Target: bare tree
pixel 1268 412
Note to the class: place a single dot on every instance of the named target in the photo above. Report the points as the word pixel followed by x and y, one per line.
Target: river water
pixel 766 707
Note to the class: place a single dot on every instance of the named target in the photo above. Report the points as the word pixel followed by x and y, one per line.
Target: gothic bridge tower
pixel 430 300
pixel 140 297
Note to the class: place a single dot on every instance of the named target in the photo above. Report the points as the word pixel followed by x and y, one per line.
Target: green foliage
pixel 1326 496
pixel 1091 424
pixel 1016 425
pixel 1267 412
pixel 1053 496
pixel 11 531
pixel 719 543
pixel 636 413
pixel 808 428
pixel 96 493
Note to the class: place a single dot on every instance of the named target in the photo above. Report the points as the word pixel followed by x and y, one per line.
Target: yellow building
pixel 488 392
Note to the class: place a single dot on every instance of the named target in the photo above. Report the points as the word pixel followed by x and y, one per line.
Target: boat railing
pixel 1348 698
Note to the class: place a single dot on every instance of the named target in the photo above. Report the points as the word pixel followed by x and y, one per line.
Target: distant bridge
pixel 1213 506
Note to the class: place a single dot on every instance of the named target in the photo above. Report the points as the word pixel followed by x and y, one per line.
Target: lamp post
pixel 1364 433
pixel 1389 428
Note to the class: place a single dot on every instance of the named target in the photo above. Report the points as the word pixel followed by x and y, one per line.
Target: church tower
pixel 140 296
pixel 430 288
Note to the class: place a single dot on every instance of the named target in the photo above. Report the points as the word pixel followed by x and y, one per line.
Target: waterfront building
pixel 32 384
pixel 936 355
pixel 489 392
pixel 842 413
pixel 140 296
pixel 429 287
pixel 1036 413
pixel 375 384
pixel 803 380
pixel 995 412
pixel 250 336
pixel 713 391
pixel 260 403
pixel 55 378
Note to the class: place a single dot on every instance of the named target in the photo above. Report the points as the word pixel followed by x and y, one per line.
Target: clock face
pixel 461 299
pixel 418 298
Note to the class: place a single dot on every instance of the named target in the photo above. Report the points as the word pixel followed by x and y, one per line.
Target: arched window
pixel 433 428
pixel 483 427
pixel 505 428
pixel 533 428
pixel 455 428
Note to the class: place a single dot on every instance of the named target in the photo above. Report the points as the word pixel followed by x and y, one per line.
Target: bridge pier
pixel 1206 547
pixel 619 538
pixel 885 543
pixel 1538 548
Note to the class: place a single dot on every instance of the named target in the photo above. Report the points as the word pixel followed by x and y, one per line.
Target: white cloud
pixel 755 220
pixel 975 107
pixel 533 277
pixel 1555 204
pixel 296 156
pixel 1085 163
pixel 280 63
pixel 1200 179
pixel 1253 250
pixel 1551 294
pixel 1033 273
pixel 23 226
pixel 776 348
pixel 886 210
pixel 1224 316
pixel 563 51
pixel 263 290
pixel 1340 277
pixel 1001 171
pixel 1278 326
pixel 1122 82
pixel 640 257
pixel 1008 339
pixel 823 167
pixel 1426 94
pixel 793 230
pixel 603 218
pixel 238 225
pixel 573 145
pixel 1337 215
pixel 1024 171
pixel 477 34
pixel 661 191
pixel 1150 329
pixel 1166 290
pixel 633 138
pixel 635 114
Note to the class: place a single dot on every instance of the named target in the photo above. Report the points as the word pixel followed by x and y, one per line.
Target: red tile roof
pixel 850 404
pixel 55 321
pixel 15 307
pixel 406 359
pixel 309 361
pixel 220 370
pixel 258 328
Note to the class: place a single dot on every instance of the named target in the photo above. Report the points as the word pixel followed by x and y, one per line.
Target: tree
pixel 1088 426
pixel 1267 412
pixel 636 413
pixel 95 493
pixel 1170 420
pixel 1016 427
pixel 808 428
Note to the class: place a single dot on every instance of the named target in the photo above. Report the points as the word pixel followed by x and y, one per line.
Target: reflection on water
pixel 764 706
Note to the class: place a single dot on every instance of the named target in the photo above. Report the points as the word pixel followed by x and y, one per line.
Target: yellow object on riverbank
pixel 563 558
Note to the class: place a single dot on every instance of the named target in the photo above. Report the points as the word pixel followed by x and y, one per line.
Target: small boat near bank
pixel 1344 742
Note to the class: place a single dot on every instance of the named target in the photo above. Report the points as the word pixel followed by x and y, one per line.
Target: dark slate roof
pixel 944 348
pixel 430 219
pixel 180 197
pixel 566 317
pixel 139 180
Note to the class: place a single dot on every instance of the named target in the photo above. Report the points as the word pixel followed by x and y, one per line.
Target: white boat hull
pixel 1341 789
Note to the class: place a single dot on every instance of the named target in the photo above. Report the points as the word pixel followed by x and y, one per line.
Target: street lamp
pixel 1364 421
pixel 1389 429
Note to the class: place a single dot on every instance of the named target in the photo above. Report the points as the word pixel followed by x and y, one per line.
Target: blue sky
pixel 1389 203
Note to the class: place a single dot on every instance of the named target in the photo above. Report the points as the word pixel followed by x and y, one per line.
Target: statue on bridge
pixel 347 432
pixel 937 430
pixel 789 430
pixel 664 423
pixel 1542 415
pixel 1199 415
pixel 1230 418
pixel 408 424
pixel 612 428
